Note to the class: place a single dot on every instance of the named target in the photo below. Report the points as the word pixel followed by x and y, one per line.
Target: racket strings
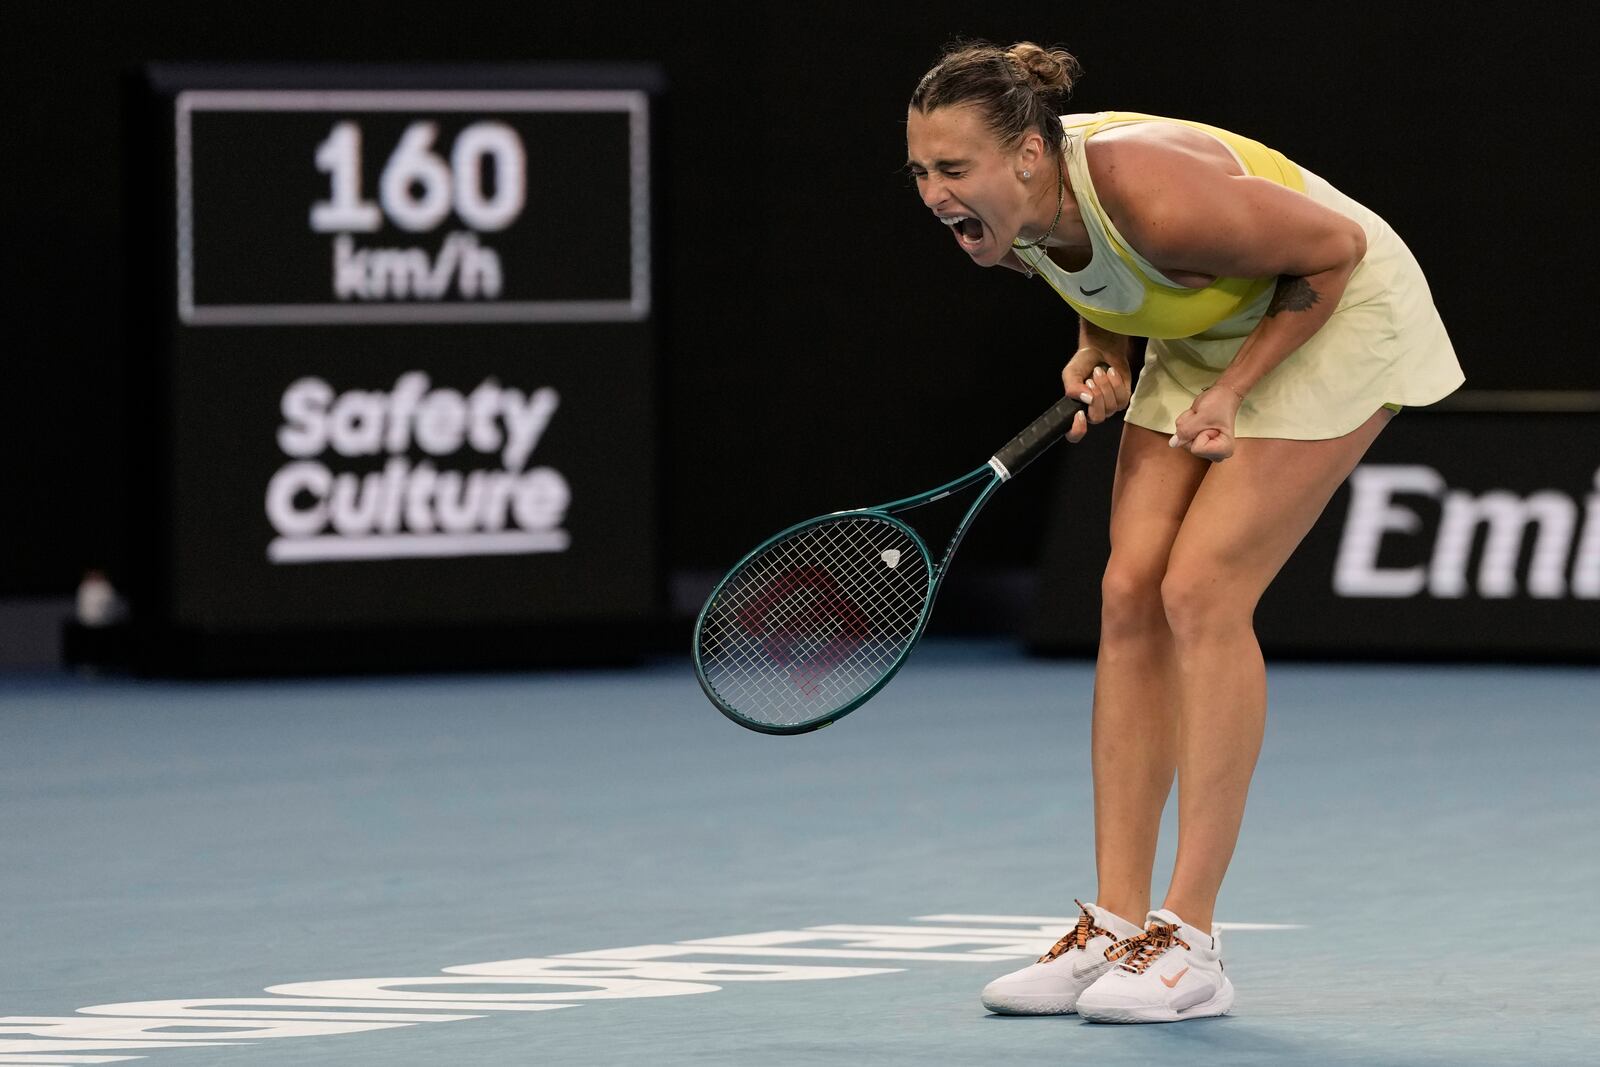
pixel 814 621
pixel 807 622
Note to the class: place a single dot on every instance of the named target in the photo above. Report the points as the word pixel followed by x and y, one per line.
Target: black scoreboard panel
pixel 311 208
pixel 404 370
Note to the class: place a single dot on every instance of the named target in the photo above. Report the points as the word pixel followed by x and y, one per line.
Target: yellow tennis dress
pixel 1384 344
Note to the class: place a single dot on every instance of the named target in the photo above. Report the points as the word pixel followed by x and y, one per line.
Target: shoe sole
pixel 1022 1004
pixel 1221 1004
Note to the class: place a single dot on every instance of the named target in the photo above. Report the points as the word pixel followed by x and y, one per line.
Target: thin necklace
pixel 1061 198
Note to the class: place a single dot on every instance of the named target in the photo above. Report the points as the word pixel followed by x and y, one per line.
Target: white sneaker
pixel 1171 971
pixel 1051 986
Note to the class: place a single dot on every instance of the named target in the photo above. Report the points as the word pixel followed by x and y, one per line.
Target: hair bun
pixel 1045 70
pixel 1018 90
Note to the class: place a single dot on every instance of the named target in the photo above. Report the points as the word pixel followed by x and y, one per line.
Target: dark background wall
pixel 825 344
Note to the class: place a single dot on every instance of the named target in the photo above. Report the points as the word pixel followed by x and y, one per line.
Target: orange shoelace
pixel 1142 950
pixel 1078 936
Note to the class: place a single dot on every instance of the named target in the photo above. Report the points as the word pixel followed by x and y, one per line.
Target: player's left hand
pixel 1206 429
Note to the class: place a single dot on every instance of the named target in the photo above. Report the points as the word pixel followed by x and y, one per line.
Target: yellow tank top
pixel 1121 291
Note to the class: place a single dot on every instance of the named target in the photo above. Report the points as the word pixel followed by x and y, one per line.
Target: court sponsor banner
pixel 1462 534
pixel 399 348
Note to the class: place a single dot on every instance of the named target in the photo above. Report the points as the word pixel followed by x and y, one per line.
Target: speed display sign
pixel 409 206
pixel 406 375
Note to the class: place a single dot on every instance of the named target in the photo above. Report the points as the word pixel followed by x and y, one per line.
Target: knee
pixel 1130 599
pixel 1201 600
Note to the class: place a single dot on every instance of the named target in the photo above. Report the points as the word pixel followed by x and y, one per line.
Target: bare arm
pixel 1185 214
pixel 1252 227
pixel 1188 215
pixel 1114 345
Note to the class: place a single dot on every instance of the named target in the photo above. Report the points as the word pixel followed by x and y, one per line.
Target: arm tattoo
pixel 1293 294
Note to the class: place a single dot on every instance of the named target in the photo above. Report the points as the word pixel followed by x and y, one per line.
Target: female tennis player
pixel 1286 324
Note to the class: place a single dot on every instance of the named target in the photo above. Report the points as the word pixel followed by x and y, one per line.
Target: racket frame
pixel 992 472
pixel 1037 437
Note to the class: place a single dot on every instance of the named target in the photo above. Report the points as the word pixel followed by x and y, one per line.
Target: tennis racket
pixel 815 621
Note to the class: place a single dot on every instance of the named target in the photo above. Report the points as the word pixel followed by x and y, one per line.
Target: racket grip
pixel 1043 432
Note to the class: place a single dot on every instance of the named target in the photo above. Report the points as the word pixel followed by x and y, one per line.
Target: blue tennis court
pixel 416 411
pixel 595 867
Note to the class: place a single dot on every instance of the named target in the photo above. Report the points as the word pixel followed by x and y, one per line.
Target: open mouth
pixel 968 230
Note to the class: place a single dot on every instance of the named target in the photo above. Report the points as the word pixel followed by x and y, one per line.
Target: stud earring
pixel 1027 174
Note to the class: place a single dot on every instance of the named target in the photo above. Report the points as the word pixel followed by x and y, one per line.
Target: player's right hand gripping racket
pixel 814 622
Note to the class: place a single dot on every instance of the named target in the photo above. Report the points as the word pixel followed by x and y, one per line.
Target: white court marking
pixel 682 968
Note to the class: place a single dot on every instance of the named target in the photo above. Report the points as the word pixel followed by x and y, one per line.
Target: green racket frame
pixel 1005 464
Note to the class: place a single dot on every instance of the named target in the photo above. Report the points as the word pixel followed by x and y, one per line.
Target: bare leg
pixel 1247 517
pixel 1136 689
